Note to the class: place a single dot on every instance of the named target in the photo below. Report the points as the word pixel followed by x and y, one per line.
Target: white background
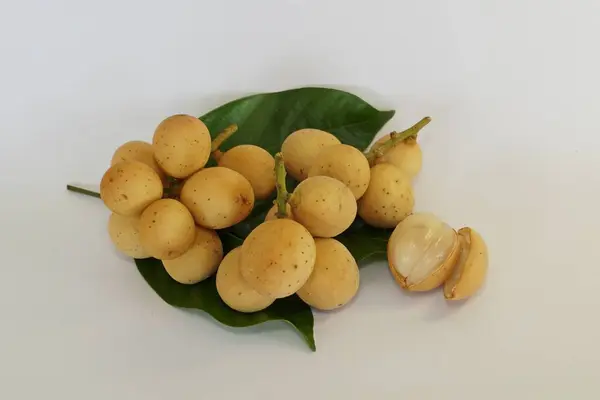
pixel 513 151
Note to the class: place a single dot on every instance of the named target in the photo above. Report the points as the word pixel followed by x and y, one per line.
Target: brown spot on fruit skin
pixel 245 200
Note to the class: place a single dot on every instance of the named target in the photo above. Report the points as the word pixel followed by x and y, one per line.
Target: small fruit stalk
pixel 281 207
pixel 400 149
pixel 278 256
pixel 281 202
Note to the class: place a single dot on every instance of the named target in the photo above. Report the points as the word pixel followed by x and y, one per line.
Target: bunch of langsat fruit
pixel 167 203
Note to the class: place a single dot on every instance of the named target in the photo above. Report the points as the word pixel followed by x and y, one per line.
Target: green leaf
pixel 266 120
pixel 204 296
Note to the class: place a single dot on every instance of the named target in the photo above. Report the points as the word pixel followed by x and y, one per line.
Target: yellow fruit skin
pixel 125 235
pixel 271 215
pixel 388 199
pixel 277 258
pixel 200 261
pixel 137 150
pixel 234 291
pixel 324 205
pixel 181 145
pixel 128 187
pixel 167 229
pixel 300 149
pixel 437 278
pixel 335 277
pixel 217 197
pixel 471 271
pixel 346 164
pixel 255 164
pixel 406 155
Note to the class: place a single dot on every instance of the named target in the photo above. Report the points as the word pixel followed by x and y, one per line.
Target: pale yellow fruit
pixel 388 199
pixel 125 235
pixel 277 258
pixel 233 289
pixel 346 164
pixel 200 261
pixel 218 197
pixel 128 187
pixel 406 155
pixel 324 205
pixel 272 214
pixel 300 149
pixel 470 272
pixel 166 229
pixel 422 251
pixel 255 164
pixel 335 277
pixel 182 145
pixel 137 150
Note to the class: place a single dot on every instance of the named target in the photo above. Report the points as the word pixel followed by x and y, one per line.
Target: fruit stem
pixel 282 193
pixel 83 191
pixel 220 139
pixel 396 137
